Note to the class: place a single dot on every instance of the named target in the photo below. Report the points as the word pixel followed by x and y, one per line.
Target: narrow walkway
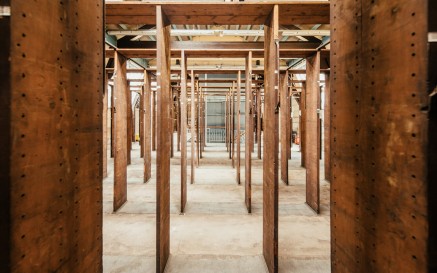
pixel 216 234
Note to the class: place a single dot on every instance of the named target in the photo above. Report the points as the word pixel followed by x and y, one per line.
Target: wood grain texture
pixel 327 127
pixel 193 127
pixel 312 151
pixel 271 143
pixel 233 124
pixel 164 132
pixel 249 134
pixel 380 137
pixel 141 112
pixel 153 120
pixel 147 126
pixel 105 128
pixel 302 125
pixel 183 114
pixel 54 91
pixel 284 123
pixel 238 139
pixel 258 120
pixel 120 132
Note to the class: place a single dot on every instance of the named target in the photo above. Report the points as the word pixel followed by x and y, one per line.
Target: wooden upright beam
pixel 129 120
pixel 238 164
pixel 327 127
pixel 51 91
pixel 121 137
pixel 193 127
pixel 271 139
pixel 302 125
pixel 142 117
pixel 105 128
pixel 258 120
pixel 285 122
pixel 312 133
pixel 233 139
pixel 147 127
pixel 249 135
pixel 183 132
pixel 154 121
pixel 164 131
pixel 380 190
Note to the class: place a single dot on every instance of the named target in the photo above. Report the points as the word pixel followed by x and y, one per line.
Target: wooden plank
pixel 249 134
pixel 380 137
pixel 193 126
pixel 183 115
pixel 105 128
pixel 154 121
pixel 238 164
pixel 271 139
pixel 51 118
pixel 204 13
pixel 164 132
pixel 285 121
pixel 258 120
pixel 327 128
pixel 147 127
pixel 302 125
pixel 120 132
pixel 312 152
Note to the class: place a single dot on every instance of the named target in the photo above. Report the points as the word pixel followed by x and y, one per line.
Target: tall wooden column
pixel 198 133
pixel 302 129
pixel 249 134
pixel 193 127
pixel 312 128
pixel 271 139
pixel 147 126
pixel 285 122
pixel 238 164
pixel 121 137
pixel 129 119
pixel 233 139
pixel 142 117
pixel 380 146
pixel 227 121
pixel 178 121
pixel 183 130
pixel 327 127
pixel 105 128
pixel 258 120
pixel 51 91
pixel 153 120
pixel 164 131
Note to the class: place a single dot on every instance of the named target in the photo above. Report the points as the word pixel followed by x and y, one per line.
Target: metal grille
pixel 216 135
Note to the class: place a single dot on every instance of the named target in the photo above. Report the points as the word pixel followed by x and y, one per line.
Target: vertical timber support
pixel 164 131
pixel 379 135
pixel 233 124
pixel 129 119
pixel 105 128
pixel 193 127
pixel 312 127
pixel 302 129
pixel 154 120
pixel 327 125
pixel 183 130
pixel 51 136
pixel 141 114
pixel 271 139
pixel 121 136
pixel 249 134
pixel 285 123
pixel 258 120
pixel 147 127
pixel 238 165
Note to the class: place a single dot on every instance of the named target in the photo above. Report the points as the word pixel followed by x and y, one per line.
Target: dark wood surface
pixel 183 98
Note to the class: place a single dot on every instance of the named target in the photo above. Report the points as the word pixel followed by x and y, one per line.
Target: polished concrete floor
pixel 216 234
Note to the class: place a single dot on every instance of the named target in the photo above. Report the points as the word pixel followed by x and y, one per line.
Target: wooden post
pixel 51 89
pixel 179 120
pixel 249 134
pixel 258 120
pixel 193 126
pixel 312 150
pixel 141 112
pixel 285 122
pixel 327 125
pixel 105 128
pixel 154 121
pixel 172 115
pixel 238 166
pixel 252 122
pixel 120 131
pixel 271 139
pixel 112 123
pixel 303 111
pixel 233 125
pixel 164 119
pixel 227 121
pixel 198 135
pixel 290 123
pixel 147 127
pixel 128 123
pixel 183 130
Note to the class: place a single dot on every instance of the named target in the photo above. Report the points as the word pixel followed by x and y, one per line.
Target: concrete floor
pixel 216 234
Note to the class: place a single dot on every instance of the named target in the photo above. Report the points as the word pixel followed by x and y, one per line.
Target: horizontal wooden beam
pixel 217 13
